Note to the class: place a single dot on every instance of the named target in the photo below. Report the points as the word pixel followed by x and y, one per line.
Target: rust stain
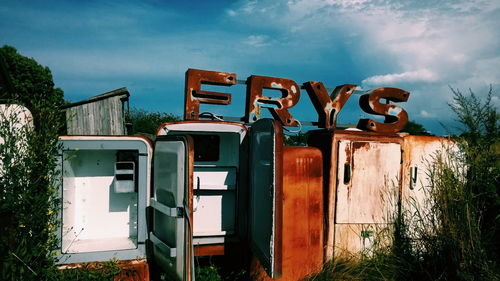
pixel 278 107
pixel 130 270
pixel 194 96
pixel 209 250
pixel 137 270
pixel 361 145
pixel 302 235
pixel 328 106
pixel 395 116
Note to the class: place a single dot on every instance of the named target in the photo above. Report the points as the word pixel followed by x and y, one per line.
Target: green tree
pixel 28 198
pixel 146 122
pixel 414 128
pixel 27 82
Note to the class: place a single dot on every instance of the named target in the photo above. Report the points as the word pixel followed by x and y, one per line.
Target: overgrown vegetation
pixel 454 235
pixel 28 199
pixel 86 272
pixel 147 123
pixel 416 129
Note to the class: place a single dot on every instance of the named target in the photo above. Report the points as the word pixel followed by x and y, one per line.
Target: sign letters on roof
pixel 326 105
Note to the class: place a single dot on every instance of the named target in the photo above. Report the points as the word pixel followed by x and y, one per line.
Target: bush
pixel 145 122
pixel 29 199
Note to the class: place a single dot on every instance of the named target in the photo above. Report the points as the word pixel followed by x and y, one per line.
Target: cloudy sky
pixel 421 46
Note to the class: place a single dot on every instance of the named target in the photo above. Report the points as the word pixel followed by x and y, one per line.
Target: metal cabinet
pixel 368 173
pixel 362 183
pixel 248 187
pixel 98 220
pixel 219 181
pixel 369 178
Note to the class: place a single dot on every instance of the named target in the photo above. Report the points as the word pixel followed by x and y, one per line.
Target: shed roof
pixel 118 92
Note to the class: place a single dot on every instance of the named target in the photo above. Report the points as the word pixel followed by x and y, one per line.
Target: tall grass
pixel 454 234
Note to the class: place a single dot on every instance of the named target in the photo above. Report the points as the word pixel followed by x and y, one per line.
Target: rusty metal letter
pixel 194 95
pixel 277 106
pixel 395 116
pixel 328 106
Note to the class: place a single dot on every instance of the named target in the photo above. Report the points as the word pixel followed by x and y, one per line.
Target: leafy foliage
pixel 29 201
pixel 207 273
pixel 297 140
pixel 145 122
pixel 31 84
pixel 414 128
pixel 28 158
pixel 480 140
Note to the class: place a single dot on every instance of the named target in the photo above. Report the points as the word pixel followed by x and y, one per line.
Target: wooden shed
pixel 100 115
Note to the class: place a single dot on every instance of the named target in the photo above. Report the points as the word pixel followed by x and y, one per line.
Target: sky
pixel 424 47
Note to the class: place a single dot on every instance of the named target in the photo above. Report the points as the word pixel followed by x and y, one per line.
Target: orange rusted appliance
pixel 248 191
pixel 362 172
pixel 298 237
pixel 368 177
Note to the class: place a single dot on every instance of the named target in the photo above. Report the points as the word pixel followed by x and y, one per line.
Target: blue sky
pixel 420 46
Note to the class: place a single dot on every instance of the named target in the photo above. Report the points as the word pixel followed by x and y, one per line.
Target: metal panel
pixel 171 232
pixel 418 157
pixel 214 201
pixel 104 216
pixel 368 181
pixel 217 178
pixel 359 238
pixel 214 214
pixel 302 212
pixel 266 194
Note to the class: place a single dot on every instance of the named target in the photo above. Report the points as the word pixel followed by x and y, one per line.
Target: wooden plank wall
pixel 102 117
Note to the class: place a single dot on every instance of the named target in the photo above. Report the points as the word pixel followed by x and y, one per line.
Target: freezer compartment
pixel 96 216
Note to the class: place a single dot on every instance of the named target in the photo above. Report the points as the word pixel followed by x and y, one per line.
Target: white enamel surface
pixel 215 183
pixel 371 194
pixel 215 178
pixel 204 127
pixel 214 201
pixel 95 217
pixel 214 215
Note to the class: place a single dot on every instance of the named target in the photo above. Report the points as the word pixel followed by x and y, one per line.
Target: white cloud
pixel 422 75
pixel 425 114
pixel 421 46
pixel 257 41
